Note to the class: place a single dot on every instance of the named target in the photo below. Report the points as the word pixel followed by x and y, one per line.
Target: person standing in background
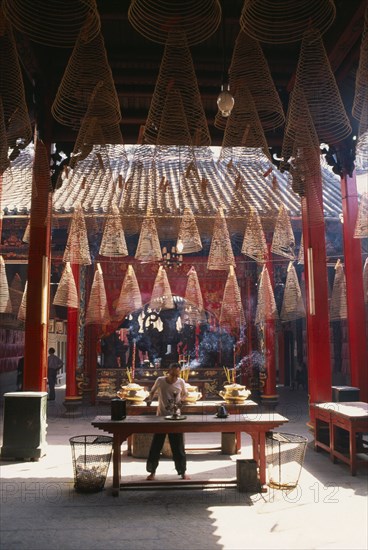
pixel 54 363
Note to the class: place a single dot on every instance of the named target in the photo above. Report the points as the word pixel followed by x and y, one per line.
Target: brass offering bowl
pixel 193 394
pixel 133 392
pixel 235 393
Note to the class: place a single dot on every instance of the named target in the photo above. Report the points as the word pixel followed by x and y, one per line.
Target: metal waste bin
pixel 284 458
pixel 91 456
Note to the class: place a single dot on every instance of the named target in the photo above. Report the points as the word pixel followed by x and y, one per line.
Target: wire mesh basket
pixel 91 456
pixel 284 457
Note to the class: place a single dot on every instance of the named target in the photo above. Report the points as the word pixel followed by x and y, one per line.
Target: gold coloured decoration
pixel 154 19
pixel 148 249
pixel 221 255
pixel 130 298
pixel 66 294
pixel 22 311
pixel 254 241
pixel 15 111
pixel 365 280
pixel 97 309
pixel 232 312
pixel 161 294
pixel 285 21
pixel 361 225
pixel 249 67
pixel 266 305
pixel 283 242
pixel 53 23
pixel 88 66
pixel 77 247
pixel 315 78
pixel 177 70
pixel 5 303
pixel 189 239
pixel 292 304
pixel 113 239
pixel 338 304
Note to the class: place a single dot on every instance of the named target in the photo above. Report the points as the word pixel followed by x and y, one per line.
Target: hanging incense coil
pixel 15 110
pixel 27 233
pixel 77 247
pixel 220 121
pixel 161 297
pixel 317 81
pixel 88 66
pixel 148 248
pixel 97 309
pixel 66 294
pixel 301 251
pixel 177 67
pixel 221 255
pixel 361 225
pixel 4 149
pixel 283 242
pixel 173 129
pixel 189 234
pixel 254 241
pixel 41 186
pixel 199 19
pixel 193 293
pixel 361 150
pixel 53 23
pixel 338 304
pixel 361 77
pixel 285 21
pixel 22 311
pixel 249 66
pixel 5 302
pixel 232 312
pixel 365 280
pixel 292 305
pixel 266 305
pixel 130 298
pixel 113 241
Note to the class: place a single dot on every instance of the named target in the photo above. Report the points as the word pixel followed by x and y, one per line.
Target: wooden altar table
pixel 256 425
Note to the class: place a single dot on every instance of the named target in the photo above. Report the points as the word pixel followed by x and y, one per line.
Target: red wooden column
pixel 318 328
pixel 269 390
pixel 72 399
pixel 38 289
pixel 358 354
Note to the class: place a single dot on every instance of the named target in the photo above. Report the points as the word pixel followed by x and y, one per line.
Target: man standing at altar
pixel 170 388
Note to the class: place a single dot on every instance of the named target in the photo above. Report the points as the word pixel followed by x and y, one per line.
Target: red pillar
pixel 358 354
pixel 269 390
pixel 71 392
pixel 318 328
pixel 38 289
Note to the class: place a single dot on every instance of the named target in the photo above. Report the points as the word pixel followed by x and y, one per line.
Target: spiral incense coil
pixel 283 242
pixel 338 304
pixel 249 66
pixel 177 70
pixel 221 255
pixel 361 225
pixel 130 298
pixel 22 311
pixel 199 19
pixel 5 302
pixel 220 121
pixel 148 248
pixel 193 293
pixel 254 241
pixel 53 23
pixel 232 313
pixel 361 150
pixel 266 304
pixel 301 251
pixel 15 110
pixel 361 78
pixel 66 294
pixel 173 129
pixel 4 150
pixel 77 247
pixel 292 304
pixel 161 297
pixel 189 234
pixel 97 309
pixel 113 241
pixel 285 21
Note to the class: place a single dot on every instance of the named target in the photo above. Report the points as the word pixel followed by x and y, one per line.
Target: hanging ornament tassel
pixel 266 305
pixel 130 298
pixel 98 309
pixel 283 242
pixel 292 304
pixel 221 255
pixel 161 294
pixel 67 294
pixel 338 304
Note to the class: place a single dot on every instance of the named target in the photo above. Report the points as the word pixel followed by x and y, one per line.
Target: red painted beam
pixel 71 390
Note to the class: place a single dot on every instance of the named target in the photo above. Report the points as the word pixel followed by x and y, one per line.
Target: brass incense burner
pixel 235 393
pixel 193 395
pixel 133 392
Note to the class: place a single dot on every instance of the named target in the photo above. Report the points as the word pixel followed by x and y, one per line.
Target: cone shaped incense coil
pixel 98 310
pixel 361 78
pixel 5 303
pixel 67 294
pixel 301 251
pixel 232 313
pixel 77 247
pixel 283 242
pixel 193 293
pixel 189 234
pixel 161 294
pixel 292 304
pixel 254 242
pixel 221 255
pixel 338 304
pixel 130 298
pixel 148 249
pixel 266 305
pixel 113 239
pixel 361 225
pixel 22 312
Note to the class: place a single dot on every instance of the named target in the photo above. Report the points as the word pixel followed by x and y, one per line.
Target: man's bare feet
pixel 184 476
pixel 151 477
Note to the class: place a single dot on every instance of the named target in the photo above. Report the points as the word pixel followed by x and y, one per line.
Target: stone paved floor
pixel 41 510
